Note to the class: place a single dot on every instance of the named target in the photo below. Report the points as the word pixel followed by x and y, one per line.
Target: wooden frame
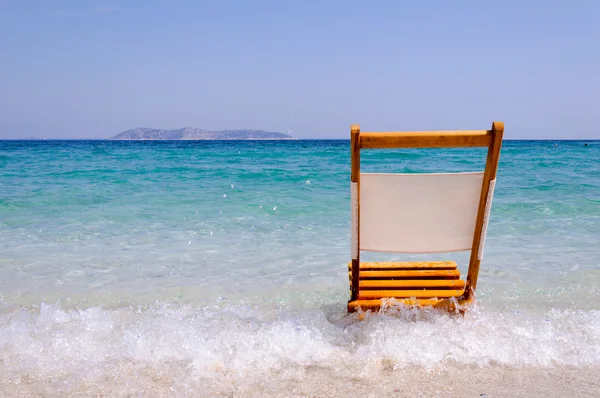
pixel 492 139
pixel 355 187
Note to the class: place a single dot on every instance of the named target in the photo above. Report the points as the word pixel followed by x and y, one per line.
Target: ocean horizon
pixel 219 268
pixel 275 139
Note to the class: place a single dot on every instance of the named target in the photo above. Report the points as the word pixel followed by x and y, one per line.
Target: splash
pixel 246 344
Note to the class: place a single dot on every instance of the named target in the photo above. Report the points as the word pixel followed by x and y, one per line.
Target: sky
pixel 78 69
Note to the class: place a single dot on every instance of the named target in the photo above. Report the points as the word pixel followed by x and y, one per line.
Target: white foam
pixel 250 343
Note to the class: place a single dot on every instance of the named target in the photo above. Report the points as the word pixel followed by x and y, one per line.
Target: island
pixel 192 133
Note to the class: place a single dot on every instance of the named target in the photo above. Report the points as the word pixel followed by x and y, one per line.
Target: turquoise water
pixel 221 264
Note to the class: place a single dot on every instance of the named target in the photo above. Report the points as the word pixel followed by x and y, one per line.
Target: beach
pixel 210 268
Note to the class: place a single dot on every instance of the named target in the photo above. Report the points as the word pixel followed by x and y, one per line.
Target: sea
pixel 219 269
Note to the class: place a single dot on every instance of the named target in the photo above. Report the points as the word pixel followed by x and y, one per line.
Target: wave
pixel 247 345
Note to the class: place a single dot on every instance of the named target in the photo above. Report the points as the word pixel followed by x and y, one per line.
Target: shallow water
pixel 177 267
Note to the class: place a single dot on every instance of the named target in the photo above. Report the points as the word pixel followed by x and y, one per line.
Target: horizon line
pixel 268 139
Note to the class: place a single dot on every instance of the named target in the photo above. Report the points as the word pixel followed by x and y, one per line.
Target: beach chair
pixel 419 213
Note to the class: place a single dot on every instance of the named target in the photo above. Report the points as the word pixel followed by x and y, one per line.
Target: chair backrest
pixel 418 213
pixel 423 213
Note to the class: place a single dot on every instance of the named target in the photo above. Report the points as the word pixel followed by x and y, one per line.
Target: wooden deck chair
pixel 419 213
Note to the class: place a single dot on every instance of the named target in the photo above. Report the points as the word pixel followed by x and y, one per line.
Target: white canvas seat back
pixel 418 213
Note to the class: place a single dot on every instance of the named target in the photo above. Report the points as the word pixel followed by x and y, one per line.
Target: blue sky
pixel 93 68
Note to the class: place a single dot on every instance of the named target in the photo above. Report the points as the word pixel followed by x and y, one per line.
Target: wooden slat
pixel 418 283
pixel 449 274
pixel 375 305
pixel 375 294
pixel 491 168
pixel 355 152
pixel 413 265
pixel 355 178
pixel 426 139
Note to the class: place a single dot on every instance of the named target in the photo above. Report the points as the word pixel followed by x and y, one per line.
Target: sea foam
pixel 249 343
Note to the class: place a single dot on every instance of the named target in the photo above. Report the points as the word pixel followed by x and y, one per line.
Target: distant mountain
pixel 192 133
